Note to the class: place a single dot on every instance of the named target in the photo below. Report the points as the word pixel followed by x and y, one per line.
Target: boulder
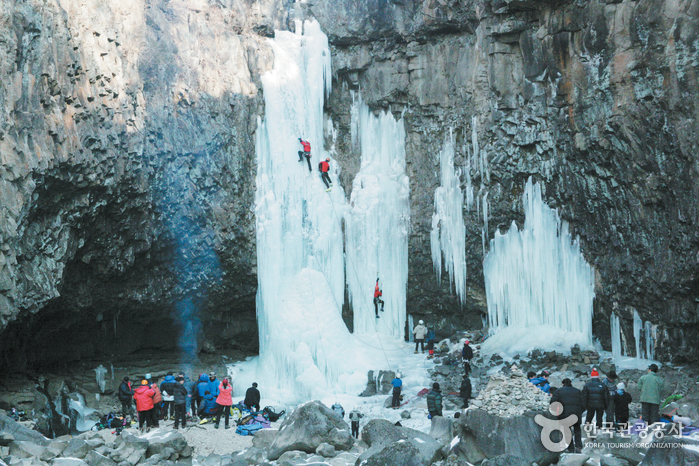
pixel 613 461
pixel 95 459
pixel 263 438
pixel 165 454
pixel 19 432
pixel 68 462
pixel 77 448
pixel 671 451
pixel 248 457
pixel 399 453
pixel 307 427
pixel 6 439
pixel 379 434
pixel 129 448
pixel 25 449
pixel 572 459
pixel 405 414
pixel 496 436
pixel 291 458
pixel 326 450
pixel 618 446
pixel 506 460
pixel 442 429
pixel 162 440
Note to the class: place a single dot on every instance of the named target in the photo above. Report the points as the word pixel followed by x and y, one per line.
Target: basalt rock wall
pixel 127 145
pixel 596 100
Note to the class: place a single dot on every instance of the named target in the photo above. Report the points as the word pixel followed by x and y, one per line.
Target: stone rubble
pixel 509 394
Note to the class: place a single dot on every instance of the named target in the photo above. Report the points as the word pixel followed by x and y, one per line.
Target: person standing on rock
pixel 355 416
pixel 144 404
pixel 595 398
pixel 466 356
pixel 434 401
pixel 305 152
pixel 572 401
pixel 377 299
pixel 420 331
pixel 252 398
pixel 465 390
pixel 397 388
pixel 622 399
pixel 650 386
pixel 167 390
pixel 126 397
pixel 324 168
pixel 224 400
pixel 180 394
pixel 610 383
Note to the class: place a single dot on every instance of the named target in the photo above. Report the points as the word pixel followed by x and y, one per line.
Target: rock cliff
pixel 127 145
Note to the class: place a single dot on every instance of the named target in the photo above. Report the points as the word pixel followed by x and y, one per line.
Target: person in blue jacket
pixel 397 387
pixel 200 389
pixel 213 384
pixel 208 406
pixel 542 381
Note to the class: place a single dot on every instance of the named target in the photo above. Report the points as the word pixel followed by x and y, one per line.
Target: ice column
pixel 448 236
pixel 378 222
pixel 616 335
pixel 644 335
pixel 538 276
pixel 305 348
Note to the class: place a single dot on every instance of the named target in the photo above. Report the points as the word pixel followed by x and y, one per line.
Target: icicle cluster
pixel 378 223
pixel 448 236
pixel 538 276
pixel 645 335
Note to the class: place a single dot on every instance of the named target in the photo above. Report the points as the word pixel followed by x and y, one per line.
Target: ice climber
pixel 397 388
pixel 434 401
pixel 377 299
pixel 324 167
pixel 430 343
pixel 305 152
pixel 420 331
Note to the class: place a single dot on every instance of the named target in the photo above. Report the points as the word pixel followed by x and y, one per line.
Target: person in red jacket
pixel 224 400
pixel 144 404
pixel 377 299
pixel 324 167
pixel 157 400
pixel 307 152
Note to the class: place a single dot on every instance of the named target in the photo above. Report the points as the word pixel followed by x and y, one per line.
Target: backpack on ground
pixel 271 415
pixel 246 420
pixel 248 429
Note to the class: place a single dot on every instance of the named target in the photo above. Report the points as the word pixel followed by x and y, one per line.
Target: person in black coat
pixel 465 390
pixel 252 397
pixel 180 394
pixel 572 400
pixel 621 406
pixel 126 397
pixel 466 356
pixel 595 398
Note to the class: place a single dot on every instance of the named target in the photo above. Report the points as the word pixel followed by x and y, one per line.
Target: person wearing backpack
pixel 144 404
pixel 252 398
pixel 157 400
pixel 397 383
pixel 595 398
pixel 224 400
pixel 355 416
pixel 200 390
pixel 179 393
pixel 126 397
pixel 466 356
pixel 465 390
pixel 167 389
pixel 207 407
pixel 337 407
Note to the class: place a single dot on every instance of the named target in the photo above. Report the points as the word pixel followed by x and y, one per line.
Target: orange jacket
pixel 157 398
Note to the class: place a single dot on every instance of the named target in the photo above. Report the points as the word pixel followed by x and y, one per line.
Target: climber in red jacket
pixel 324 167
pixel 377 299
pixel 305 152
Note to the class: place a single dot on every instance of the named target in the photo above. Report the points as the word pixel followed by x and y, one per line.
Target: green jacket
pixel 434 402
pixel 650 386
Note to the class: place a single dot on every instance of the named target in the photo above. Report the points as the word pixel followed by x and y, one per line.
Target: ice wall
pixel 644 335
pixel 305 348
pixel 377 222
pixel 448 235
pixel 538 284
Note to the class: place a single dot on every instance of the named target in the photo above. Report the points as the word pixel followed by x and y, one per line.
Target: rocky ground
pixel 498 428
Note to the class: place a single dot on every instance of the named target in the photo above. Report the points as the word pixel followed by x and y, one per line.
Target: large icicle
pixel 539 287
pixel 448 236
pixel 305 347
pixel 616 335
pixel 377 223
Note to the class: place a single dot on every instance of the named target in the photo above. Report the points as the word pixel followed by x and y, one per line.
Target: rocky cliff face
pixel 127 182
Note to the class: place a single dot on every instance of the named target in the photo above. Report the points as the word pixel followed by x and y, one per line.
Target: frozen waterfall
pixel 539 288
pixel 377 222
pixel 306 350
pixel 448 236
